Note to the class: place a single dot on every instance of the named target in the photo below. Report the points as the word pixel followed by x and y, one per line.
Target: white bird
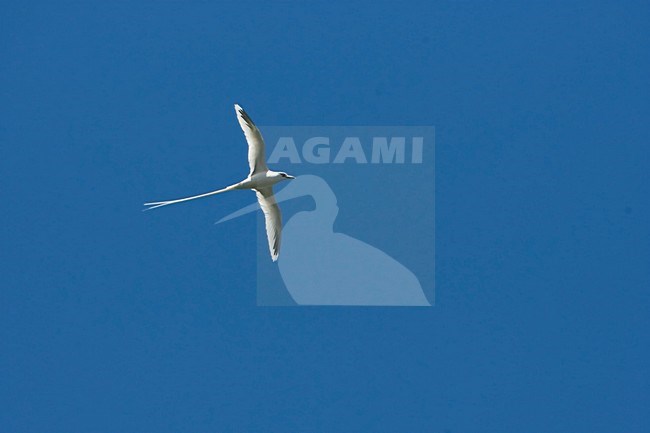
pixel 260 179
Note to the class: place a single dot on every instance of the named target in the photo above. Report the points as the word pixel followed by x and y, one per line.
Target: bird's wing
pixel 256 158
pixel 272 217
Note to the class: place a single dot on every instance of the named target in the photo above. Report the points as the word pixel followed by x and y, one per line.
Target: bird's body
pixel 260 179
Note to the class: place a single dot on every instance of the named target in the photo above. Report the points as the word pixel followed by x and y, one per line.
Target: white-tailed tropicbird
pixel 260 179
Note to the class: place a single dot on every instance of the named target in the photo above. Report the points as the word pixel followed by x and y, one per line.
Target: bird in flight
pixel 260 179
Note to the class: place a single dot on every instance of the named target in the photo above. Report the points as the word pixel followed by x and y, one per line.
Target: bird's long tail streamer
pixel 156 204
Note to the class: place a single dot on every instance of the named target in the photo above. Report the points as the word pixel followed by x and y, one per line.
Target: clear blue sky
pixel 112 320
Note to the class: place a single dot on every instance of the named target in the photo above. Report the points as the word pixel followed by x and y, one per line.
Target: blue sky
pixel 112 320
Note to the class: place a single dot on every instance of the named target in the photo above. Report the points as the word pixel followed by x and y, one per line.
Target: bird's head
pixel 285 176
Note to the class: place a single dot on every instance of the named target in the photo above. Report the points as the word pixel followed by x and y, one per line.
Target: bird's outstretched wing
pixel 273 219
pixel 256 157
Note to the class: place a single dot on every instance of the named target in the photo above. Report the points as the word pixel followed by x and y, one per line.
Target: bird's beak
pixel 290 177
